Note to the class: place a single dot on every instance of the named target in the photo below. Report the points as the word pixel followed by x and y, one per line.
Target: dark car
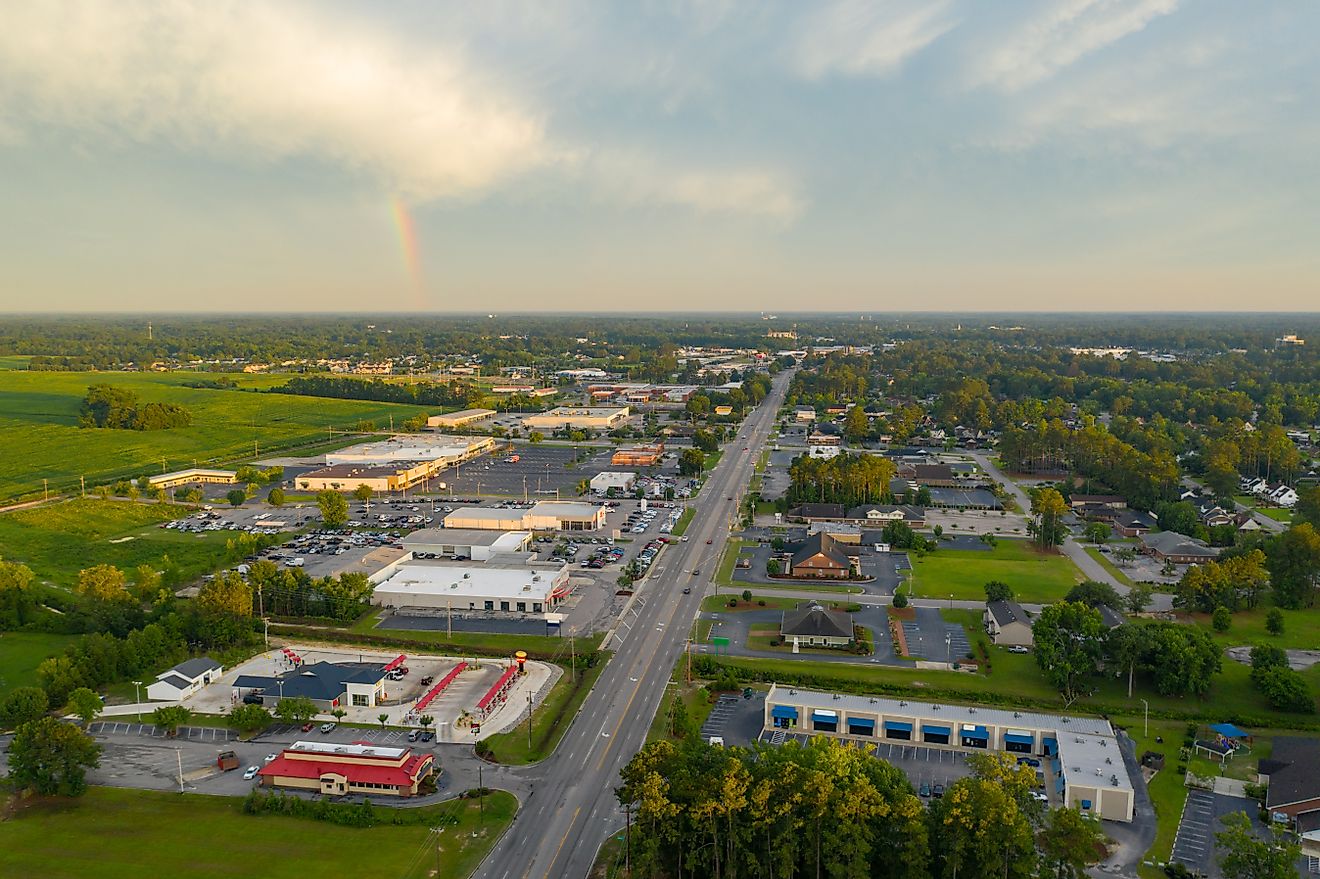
pixel 1029 761
pixel 937 790
pixel 924 790
pixel 687 590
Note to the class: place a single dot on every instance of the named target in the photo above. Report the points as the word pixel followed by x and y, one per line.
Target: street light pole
pixel 1145 724
pixel 137 688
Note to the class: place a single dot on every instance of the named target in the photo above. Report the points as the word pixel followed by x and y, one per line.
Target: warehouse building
pixel 541 516
pixel 1080 755
pixel 334 769
pixel 479 545
pixel 462 418
pixel 578 418
pixel 492 588
pixel 442 450
pixel 192 476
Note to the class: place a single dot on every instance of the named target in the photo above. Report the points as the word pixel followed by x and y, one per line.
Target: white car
pixel 251 773
pixel 1018 648
pixel 270 758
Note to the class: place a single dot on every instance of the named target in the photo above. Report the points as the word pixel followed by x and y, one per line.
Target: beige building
pixel 378 477
pixel 335 769
pixel 1008 624
pixel 578 418
pixel 462 418
pixel 194 476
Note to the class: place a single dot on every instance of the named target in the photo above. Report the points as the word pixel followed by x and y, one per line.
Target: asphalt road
pixel 572 808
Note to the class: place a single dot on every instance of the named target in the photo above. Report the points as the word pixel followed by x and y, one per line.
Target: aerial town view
pixel 867 438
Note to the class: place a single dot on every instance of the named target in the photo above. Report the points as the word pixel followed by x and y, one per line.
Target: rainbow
pixel 411 255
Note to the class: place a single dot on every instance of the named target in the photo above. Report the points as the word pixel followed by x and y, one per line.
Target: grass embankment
pixel 732 547
pixel 40 437
pixel 22 652
pixel 720 603
pixel 114 833
pixel 681 527
pixel 1114 570
pixel 1035 576
pixel 550 720
pixel 58 540
pixel 364 631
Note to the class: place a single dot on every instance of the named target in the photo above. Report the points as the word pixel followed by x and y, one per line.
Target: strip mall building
pixel 1080 755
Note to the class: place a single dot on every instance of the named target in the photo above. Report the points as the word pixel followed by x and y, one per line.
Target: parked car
pixel 270 758
pixel 414 735
pixel 1018 648
pixel 251 773
pixel 327 728
pixel 937 790
pixel 924 790
pixel 427 735
pixel 1029 761
pixel 307 727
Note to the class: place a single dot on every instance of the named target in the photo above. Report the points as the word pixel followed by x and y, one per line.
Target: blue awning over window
pixel 1018 740
pixel 1050 744
pixel 866 722
pixel 1086 804
pixel 787 712
pixel 978 732
pixel 899 725
pixel 931 729
pixel 824 717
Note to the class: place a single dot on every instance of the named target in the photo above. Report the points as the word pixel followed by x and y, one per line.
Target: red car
pixel 709 542
pixel 307 727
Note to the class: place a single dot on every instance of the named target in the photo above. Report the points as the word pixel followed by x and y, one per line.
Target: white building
pixel 461 418
pixel 479 545
pixel 542 516
pixel 184 679
pixel 493 588
pixel 440 449
pixel 619 479
pixel 578 418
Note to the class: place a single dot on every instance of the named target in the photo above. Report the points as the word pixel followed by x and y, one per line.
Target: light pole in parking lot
pixel 137 688
pixel 1145 723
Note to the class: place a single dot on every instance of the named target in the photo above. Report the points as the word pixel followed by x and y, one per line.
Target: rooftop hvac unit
pixel 1110 762
pixel 536 578
pixel 1097 771
pixel 1113 779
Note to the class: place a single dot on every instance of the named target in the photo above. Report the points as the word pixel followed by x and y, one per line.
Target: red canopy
pixel 440 687
pixel 495 691
pixel 395 662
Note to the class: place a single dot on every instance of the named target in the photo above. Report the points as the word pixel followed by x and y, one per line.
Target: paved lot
pixel 880 566
pixel 736 626
pixel 460 623
pixel 920 764
pixel 541 471
pixel 925 635
pixel 186 733
pixel 1201 819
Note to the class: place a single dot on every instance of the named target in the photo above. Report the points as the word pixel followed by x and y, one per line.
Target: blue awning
pixel 976 733
pixel 1050 744
pixel 861 721
pixel 784 711
pixel 1230 731
pixel 931 729
pixel 898 725
pixel 1086 804
pixel 1018 740
pixel 824 717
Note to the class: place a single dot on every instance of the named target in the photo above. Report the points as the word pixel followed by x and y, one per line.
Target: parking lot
pixel 931 770
pixel 1202 818
pixel 541 471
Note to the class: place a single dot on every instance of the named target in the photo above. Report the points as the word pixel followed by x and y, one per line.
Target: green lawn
pixel 1034 576
pixel 22 652
pixel 1301 628
pixel 488 643
pixel 550 720
pixel 113 833
pixel 724 573
pixel 58 540
pixel 40 437
pixel 681 526
pixel 772 602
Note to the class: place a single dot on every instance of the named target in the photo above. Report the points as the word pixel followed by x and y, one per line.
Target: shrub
pixel 760 602
pixel 1274 621
pixel 1222 619
pixel 900 600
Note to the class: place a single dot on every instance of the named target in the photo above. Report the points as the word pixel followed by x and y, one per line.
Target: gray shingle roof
pixel 1294 771
pixel 810 619
pixel 1005 612
pixel 192 669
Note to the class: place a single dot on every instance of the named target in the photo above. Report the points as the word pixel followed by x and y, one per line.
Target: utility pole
pixel 179 756
pixel 529 718
pixel 572 661
pixel 45 489
pixel 82 485
pixel 449 606
pixel 627 837
pixel 481 791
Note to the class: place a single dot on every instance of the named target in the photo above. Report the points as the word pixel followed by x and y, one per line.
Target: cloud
pixel 860 38
pixel 1066 32
pixel 638 179
pixel 265 81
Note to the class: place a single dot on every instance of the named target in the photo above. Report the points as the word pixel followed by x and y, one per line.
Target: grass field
pixel 113 833
pixel 58 540
pixel 40 437
pixel 488 643
pixel 1301 628
pixel 22 652
pixel 1114 570
pixel 1034 576
pixel 721 603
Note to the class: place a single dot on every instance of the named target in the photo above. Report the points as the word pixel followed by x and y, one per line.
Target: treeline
pixel 844 479
pixel 829 809
pixel 120 409
pixel 291 592
pixel 1144 479
pixel 420 394
pixel 833 380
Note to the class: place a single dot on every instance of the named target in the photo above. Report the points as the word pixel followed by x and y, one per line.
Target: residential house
pixel 184 679
pixel 1292 772
pixel 1132 523
pixel 1213 516
pixel 1008 624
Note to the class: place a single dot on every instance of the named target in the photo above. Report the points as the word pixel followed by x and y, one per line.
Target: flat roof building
pixel 616 479
pixel 441 449
pixel 334 769
pixel 1080 754
pixel 578 418
pixel 542 516
pixel 192 476
pixel 378 477
pixel 327 684
pixel 638 456
pixel 462 418
pixel 491 588
pixel 466 543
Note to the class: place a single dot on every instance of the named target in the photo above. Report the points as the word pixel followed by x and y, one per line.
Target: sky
pixel 928 155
